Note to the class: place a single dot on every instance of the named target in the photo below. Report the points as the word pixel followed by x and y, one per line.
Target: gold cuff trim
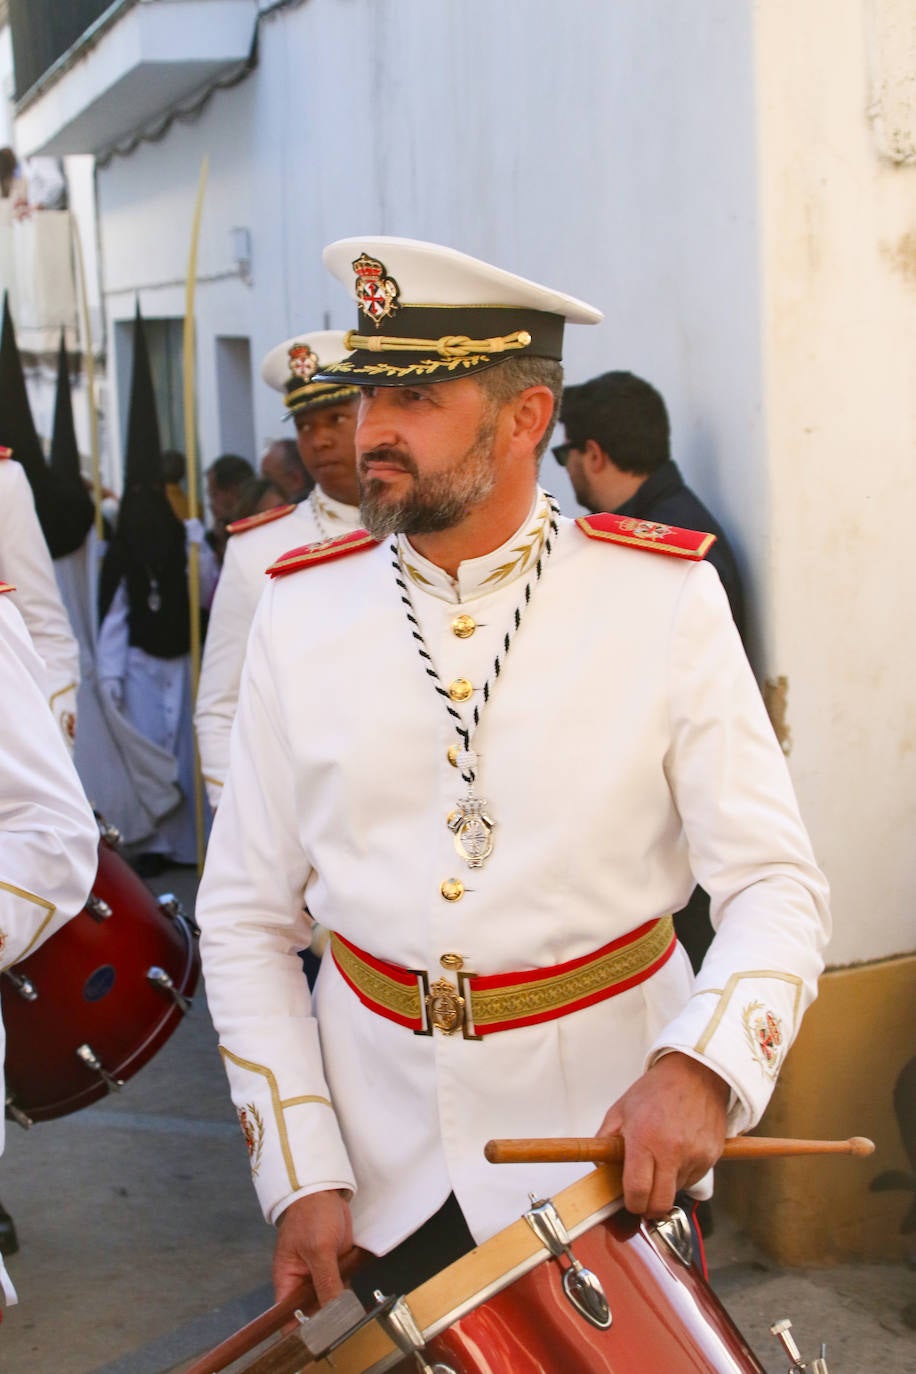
pixel 48 907
pixel 728 992
pixel 448 346
pixel 279 1105
pixel 70 687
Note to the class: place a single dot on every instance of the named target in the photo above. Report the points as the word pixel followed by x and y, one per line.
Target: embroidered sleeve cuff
pixel 743 1032
pixel 330 1186
pixel 292 1136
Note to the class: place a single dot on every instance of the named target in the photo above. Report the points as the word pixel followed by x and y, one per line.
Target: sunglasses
pixel 562 451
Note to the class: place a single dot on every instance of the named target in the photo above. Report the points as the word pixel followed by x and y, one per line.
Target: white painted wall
pixel 839 262
pixel 565 142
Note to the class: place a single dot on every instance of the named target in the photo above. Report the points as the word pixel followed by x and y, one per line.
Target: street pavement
pixel 142 1244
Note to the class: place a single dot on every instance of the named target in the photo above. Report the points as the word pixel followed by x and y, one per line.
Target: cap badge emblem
pixel 303 361
pixel 376 292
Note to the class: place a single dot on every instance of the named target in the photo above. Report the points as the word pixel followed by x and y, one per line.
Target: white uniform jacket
pixel 625 754
pixel 48 834
pixel 249 554
pixel 26 563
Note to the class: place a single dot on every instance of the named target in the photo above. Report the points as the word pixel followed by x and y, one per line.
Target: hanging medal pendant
pixel 473 830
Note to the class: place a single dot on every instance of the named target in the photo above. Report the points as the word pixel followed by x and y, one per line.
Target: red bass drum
pixel 96 1001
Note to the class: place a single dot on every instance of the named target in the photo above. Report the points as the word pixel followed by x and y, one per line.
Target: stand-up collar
pixel 478 576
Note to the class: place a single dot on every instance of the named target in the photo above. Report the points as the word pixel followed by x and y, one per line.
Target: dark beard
pixel 434 503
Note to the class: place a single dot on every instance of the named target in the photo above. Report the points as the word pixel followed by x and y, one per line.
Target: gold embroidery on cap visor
pixel 453 338
pixel 311 395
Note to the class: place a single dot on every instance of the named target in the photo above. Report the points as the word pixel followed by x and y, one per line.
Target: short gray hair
pixel 514 375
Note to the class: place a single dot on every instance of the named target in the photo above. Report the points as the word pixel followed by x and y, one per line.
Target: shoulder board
pixel 325 552
pixel 6 587
pixel 647 534
pixel 264 517
pixel 5 452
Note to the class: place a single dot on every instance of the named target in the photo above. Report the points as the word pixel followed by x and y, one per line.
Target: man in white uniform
pixel 493 751
pixel 26 563
pixel 48 834
pixel 324 414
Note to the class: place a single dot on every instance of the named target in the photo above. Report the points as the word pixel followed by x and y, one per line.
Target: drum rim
pixel 602 1187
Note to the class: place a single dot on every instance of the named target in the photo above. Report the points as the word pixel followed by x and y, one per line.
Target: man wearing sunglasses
pixel 618 456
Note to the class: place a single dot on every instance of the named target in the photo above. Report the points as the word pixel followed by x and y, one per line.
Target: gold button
pixel 464 626
pixel 452 755
pixel 452 961
pixel 452 889
pixel 460 689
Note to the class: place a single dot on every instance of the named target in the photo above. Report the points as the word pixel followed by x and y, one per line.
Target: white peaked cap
pixel 291 367
pixel 426 311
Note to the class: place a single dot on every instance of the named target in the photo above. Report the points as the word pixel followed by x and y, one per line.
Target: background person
pixel 282 465
pixel 325 419
pixel 618 456
pixel 48 834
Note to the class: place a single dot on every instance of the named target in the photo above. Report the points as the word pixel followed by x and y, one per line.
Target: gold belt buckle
pixel 447 1007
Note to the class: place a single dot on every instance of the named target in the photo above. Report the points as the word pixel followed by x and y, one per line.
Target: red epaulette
pixel 6 587
pixel 5 452
pixel 647 534
pixel 264 517
pixel 325 552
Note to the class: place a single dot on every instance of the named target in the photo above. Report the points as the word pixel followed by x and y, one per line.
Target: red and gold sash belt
pixel 482 1005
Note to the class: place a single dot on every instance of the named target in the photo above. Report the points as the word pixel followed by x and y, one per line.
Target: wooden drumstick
pixel 595 1150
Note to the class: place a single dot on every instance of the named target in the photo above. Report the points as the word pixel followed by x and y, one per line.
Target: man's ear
pixel 531 414
pixel 595 460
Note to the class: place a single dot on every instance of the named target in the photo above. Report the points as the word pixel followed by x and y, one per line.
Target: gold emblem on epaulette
pixel 252 1124
pixel 645 529
pixel 376 292
pixel 763 1030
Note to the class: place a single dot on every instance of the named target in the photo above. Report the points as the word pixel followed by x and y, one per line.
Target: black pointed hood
pixel 72 499
pixel 147 552
pixel 60 508
pixel 17 428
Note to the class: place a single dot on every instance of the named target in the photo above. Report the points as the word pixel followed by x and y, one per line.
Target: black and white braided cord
pixel 466 733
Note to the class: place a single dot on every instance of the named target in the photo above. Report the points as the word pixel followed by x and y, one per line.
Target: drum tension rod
pixel 97 909
pixel 16 1114
pixel 582 1288
pixel 24 986
pixel 87 1055
pixel 782 1330
pixel 160 979
pixel 400 1326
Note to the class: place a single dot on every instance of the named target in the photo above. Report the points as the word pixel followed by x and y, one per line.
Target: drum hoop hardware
pixel 582 1287
pixel 674 1230
pixel 399 1324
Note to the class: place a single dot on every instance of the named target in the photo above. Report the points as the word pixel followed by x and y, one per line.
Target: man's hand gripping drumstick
pixel 313 1235
pixel 672 1121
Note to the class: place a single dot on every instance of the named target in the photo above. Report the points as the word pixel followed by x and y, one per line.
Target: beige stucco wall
pixel 838 274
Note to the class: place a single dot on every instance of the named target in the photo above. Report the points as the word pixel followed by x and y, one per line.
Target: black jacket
pixel 665 498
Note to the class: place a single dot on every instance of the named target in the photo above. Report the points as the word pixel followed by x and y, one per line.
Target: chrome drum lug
pixel 581 1286
pixel 87 1055
pixel 160 979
